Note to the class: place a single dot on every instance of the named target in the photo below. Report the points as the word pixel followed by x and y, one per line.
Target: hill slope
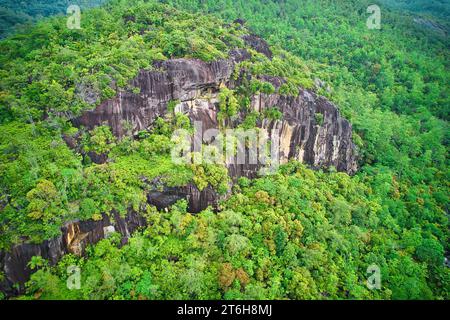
pixel 20 14
pixel 297 234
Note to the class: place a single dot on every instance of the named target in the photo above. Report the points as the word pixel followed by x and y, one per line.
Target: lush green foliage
pixel 53 71
pixel 44 184
pixel 273 113
pixel 228 104
pixel 299 234
pixel 435 8
pixel 19 15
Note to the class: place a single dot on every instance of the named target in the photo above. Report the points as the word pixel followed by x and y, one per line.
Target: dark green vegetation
pixel 19 14
pixel 435 8
pixel 298 234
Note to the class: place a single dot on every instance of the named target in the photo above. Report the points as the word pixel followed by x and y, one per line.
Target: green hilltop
pixel 297 234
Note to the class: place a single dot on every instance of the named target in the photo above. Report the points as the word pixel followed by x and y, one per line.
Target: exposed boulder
pixel 197 200
pixel 258 44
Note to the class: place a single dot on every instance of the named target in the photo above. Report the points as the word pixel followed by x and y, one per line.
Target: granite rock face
pixel 75 237
pixel 177 79
pixel 197 200
pixel 311 130
pixel 258 44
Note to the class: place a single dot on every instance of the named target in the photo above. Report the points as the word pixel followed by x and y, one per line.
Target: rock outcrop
pixel 197 200
pixel 311 130
pixel 177 79
pixel 258 44
pixel 74 238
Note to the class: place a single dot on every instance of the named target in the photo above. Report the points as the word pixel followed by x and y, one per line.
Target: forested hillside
pixel 435 8
pixel 20 14
pixel 296 234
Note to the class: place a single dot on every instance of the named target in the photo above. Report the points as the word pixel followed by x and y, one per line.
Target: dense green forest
pixel 16 14
pixel 436 8
pixel 297 234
